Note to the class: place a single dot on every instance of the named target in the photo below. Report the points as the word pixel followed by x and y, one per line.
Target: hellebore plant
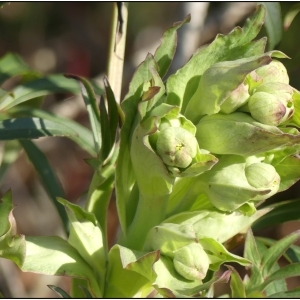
pixel 195 158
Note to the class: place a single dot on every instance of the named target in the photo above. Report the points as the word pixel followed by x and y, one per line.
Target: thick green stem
pixel 150 212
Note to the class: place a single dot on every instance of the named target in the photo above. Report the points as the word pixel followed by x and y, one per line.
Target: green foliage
pixel 191 161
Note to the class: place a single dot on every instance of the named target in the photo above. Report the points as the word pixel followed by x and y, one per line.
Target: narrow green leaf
pixel 273 23
pixel 11 65
pixel 37 88
pixel 288 271
pixel 114 111
pixel 59 291
pixel 278 285
pixel 86 292
pixel 292 255
pixel 252 253
pixel 287 294
pixel 76 291
pixel 84 137
pixel 32 128
pixel 105 131
pixel 236 284
pixel 275 252
pixel 92 108
pixel 98 200
pixel 48 177
pixel 165 52
pixel 250 250
pixel 282 212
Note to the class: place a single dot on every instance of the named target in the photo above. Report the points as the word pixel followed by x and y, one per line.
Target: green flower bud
pixel 236 99
pixel 191 262
pixel 172 138
pixel 232 183
pixel 272 103
pixel 263 175
pixel 176 146
pixel 273 72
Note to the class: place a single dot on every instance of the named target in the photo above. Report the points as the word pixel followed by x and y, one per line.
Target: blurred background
pixel 73 37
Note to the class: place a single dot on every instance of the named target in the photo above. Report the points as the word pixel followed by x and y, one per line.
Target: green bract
pixel 238 133
pixel 233 182
pixel 191 262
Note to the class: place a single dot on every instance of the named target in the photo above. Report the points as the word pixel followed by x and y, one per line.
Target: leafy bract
pixel 219 81
pixel 49 255
pixel 86 237
pixel 237 44
pixel 128 271
pixel 166 50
